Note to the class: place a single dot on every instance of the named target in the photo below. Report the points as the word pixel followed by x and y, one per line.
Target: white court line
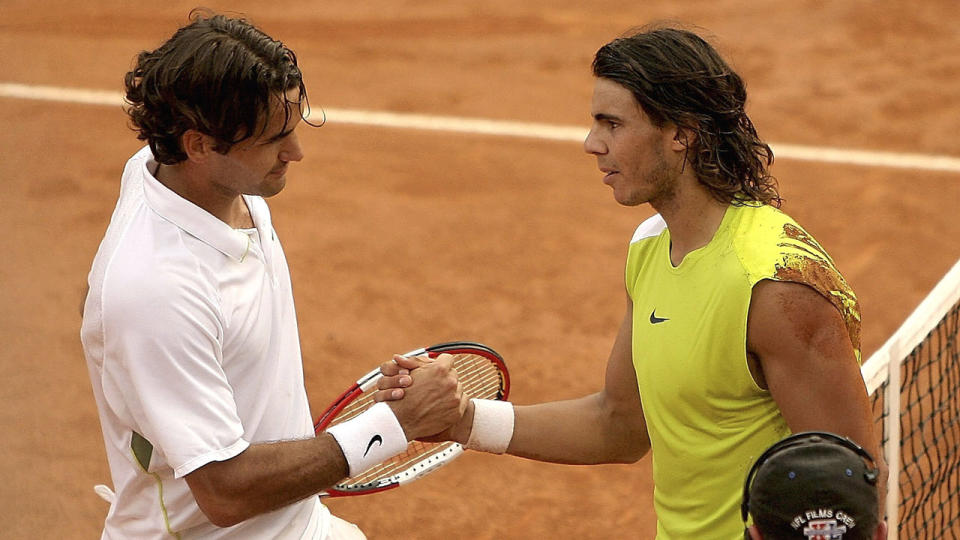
pixel 511 129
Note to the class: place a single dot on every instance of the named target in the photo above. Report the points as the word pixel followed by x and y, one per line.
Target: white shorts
pixel 344 530
pixel 336 529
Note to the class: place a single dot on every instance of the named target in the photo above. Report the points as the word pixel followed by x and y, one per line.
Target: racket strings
pixel 357 406
pixel 482 378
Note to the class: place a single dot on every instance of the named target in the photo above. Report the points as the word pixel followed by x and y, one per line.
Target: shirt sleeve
pixel 163 370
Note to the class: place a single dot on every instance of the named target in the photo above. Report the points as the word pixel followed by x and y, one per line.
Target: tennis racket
pixel 482 374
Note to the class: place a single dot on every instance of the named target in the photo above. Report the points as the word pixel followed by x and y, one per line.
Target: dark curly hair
pixel 677 77
pixel 216 75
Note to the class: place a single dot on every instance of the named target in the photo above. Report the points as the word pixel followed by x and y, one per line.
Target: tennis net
pixel 914 382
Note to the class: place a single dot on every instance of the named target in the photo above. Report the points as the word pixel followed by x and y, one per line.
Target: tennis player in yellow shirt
pixel 738 329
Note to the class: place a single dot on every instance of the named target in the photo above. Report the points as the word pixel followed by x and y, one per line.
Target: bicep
pixel 808 361
pixel 621 394
pixel 620 380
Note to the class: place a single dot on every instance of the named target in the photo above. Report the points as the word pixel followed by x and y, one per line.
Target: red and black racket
pixel 482 374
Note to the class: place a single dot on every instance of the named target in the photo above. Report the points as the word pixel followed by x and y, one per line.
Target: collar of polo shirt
pixel 195 220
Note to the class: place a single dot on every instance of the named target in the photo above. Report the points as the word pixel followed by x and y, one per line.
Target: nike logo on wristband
pixel 375 439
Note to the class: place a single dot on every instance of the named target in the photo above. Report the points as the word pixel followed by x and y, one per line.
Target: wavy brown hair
pixel 216 75
pixel 678 77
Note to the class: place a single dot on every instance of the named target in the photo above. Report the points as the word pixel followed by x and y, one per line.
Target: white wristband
pixel 370 438
pixel 492 426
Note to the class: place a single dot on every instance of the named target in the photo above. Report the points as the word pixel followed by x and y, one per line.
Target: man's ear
pixel 682 139
pixel 196 145
pixel 754 533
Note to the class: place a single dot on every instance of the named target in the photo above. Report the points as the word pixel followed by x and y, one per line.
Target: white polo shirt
pixel 191 341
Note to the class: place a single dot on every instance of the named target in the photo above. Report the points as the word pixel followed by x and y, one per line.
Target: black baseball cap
pixel 814 485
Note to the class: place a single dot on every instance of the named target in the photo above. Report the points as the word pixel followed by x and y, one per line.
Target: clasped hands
pixel 425 394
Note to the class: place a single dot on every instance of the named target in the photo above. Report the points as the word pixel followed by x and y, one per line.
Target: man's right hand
pixel 396 376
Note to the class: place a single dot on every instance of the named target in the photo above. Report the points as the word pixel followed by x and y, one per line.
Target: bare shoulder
pixel 793 331
pixel 783 313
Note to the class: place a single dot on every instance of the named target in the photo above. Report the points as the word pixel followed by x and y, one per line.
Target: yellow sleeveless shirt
pixel 707 418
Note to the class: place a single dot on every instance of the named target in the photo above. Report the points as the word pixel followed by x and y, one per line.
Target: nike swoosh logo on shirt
pixel 654 319
pixel 375 439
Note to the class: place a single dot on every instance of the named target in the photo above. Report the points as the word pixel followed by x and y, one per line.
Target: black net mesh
pixel 929 434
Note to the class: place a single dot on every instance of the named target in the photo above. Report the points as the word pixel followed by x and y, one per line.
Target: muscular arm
pixel 806 360
pixel 267 476
pixel 605 427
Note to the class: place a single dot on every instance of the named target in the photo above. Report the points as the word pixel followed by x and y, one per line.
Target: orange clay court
pixel 399 237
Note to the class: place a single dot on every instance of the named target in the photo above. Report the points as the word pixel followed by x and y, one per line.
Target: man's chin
pixel 273 187
pixel 628 200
